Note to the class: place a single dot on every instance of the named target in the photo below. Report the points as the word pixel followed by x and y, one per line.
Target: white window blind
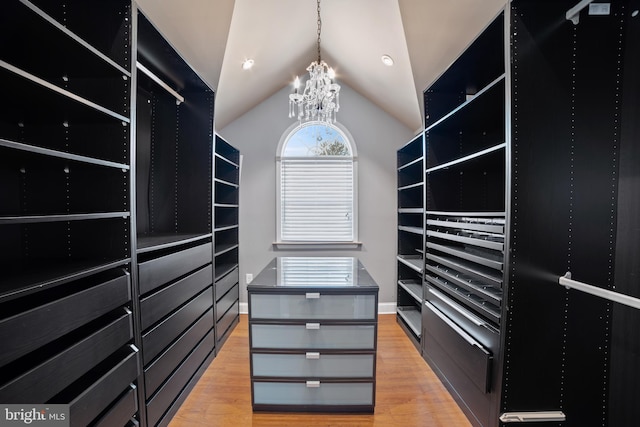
pixel 317 199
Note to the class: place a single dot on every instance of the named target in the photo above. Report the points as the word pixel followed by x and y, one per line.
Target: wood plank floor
pixel 408 393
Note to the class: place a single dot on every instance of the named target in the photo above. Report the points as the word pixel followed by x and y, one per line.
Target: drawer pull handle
pixel 313 295
pixel 312 325
pixel 313 355
pixel 313 384
pixel 475 320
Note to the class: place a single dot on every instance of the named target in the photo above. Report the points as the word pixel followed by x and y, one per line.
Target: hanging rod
pixel 627 300
pixel 179 98
pixel 528 417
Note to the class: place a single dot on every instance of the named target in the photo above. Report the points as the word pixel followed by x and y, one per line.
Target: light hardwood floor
pixel 408 393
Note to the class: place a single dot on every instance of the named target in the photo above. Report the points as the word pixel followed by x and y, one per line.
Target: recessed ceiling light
pixel 387 60
pixel 247 64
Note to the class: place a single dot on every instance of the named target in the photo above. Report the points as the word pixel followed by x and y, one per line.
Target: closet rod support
pixel 145 70
pixel 573 14
pixel 627 300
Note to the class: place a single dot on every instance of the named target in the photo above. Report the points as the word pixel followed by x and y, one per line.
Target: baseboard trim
pixel 383 308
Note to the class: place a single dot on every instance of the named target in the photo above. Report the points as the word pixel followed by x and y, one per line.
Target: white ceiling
pixel 422 36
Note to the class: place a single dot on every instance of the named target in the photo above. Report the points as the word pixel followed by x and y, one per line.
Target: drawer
pixel 44 381
pixel 156 306
pixel 163 334
pixel 122 411
pixel 226 302
pixel 165 396
pixel 462 349
pixel 162 367
pixel 27 331
pixel 227 320
pixel 313 336
pixel 313 305
pixel 313 393
pixel 158 271
pixel 313 365
pixel 227 282
pixel 95 398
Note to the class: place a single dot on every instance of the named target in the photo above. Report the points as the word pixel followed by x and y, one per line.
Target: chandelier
pixel 319 101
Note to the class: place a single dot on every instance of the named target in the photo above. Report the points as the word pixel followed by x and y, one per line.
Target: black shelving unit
pixel 465 221
pixel 525 159
pixel 174 257
pixel 226 196
pixel 66 299
pixel 107 298
pixel 410 257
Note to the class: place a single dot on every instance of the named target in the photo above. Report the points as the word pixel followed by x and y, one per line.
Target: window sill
pixel 316 245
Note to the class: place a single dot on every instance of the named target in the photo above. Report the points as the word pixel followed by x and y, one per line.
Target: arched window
pixel 316 185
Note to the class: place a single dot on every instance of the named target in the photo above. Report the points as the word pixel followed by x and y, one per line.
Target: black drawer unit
pixel 72 344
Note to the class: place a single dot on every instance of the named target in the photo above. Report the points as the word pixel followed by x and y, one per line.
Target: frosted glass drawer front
pixel 313 365
pixel 313 336
pixel 313 305
pixel 312 393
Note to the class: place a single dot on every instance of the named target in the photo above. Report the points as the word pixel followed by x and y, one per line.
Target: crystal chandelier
pixel 319 101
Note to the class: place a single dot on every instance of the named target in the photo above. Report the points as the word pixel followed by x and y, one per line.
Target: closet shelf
pixel 230 184
pixel 489 241
pixel 37 275
pixel 222 249
pixel 411 163
pixel 60 91
pixel 463 281
pixel 413 262
pixel 155 242
pixel 76 38
pixel 489 310
pixel 27 219
pixel 408 187
pixel 414 230
pixel 413 287
pixel 231 162
pixel 471 101
pixel 61 154
pixel 465 254
pixel 412 317
pixel 464 159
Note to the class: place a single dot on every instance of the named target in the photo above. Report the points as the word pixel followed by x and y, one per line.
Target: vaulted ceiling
pixel 422 36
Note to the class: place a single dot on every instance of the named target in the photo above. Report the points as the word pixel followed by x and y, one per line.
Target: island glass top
pixel 313 272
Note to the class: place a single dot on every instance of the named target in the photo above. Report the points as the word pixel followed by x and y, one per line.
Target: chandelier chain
pixel 319 30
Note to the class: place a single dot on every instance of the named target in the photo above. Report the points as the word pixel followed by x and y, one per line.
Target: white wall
pixel 377 137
